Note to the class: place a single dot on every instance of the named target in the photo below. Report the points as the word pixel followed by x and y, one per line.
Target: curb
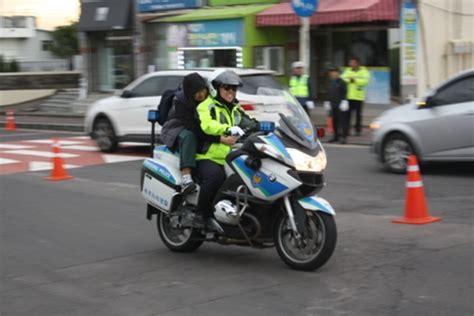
pixel 48 126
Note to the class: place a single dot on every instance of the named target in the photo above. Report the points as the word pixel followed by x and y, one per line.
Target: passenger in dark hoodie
pixel 182 130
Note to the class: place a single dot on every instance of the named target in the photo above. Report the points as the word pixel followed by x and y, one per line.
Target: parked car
pixel 440 127
pixel 123 117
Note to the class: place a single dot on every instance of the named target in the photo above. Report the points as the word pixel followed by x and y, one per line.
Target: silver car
pixel 440 127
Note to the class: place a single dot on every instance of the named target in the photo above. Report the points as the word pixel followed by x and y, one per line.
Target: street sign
pixel 304 8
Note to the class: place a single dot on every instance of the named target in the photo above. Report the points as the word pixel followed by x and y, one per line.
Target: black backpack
pixel 165 105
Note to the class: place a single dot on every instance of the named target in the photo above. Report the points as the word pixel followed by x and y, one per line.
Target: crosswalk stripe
pixel 5 161
pixel 13 146
pixel 39 153
pixel 44 165
pixel 81 147
pixel 50 141
pixel 117 158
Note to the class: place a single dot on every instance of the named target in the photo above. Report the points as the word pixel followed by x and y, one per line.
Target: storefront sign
pixel 378 90
pixel 157 5
pixel 409 22
pixel 206 34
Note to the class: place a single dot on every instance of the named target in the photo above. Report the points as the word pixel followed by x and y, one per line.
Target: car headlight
pixel 304 162
pixel 374 125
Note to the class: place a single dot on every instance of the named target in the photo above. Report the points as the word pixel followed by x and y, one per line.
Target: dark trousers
pixel 187 146
pixel 356 106
pixel 340 122
pixel 210 176
pixel 302 101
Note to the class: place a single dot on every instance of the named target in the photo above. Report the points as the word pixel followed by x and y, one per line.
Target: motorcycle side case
pixel 158 186
pixel 161 179
pixel 316 203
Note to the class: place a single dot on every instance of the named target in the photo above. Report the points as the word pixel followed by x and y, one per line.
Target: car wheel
pixel 395 151
pixel 104 135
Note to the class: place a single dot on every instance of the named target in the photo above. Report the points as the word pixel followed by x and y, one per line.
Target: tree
pixel 13 66
pixel 2 64
pixel 65 42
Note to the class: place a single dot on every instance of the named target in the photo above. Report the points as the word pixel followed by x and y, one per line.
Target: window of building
pixel 46 45
pixel 271 57
pixel 15 22
pixel 189 58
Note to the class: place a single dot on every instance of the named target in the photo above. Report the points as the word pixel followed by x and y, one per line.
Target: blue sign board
pixel 158 5
pixel 378 90
pixel 215 33
pixel 304 8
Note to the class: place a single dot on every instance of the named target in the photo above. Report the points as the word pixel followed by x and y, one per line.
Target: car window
pixel 457 92
pixel 252 83
pixel 155 86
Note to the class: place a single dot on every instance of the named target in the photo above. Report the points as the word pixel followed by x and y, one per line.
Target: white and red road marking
pixel 77 152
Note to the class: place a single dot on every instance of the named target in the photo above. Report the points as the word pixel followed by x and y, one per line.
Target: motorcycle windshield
pixel 294 122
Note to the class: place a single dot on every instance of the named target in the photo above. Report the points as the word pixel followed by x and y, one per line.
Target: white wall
pixel 443 22
pixel 30 54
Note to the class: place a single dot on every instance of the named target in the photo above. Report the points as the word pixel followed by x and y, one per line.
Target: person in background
pixel 300 86
pixel 357 78
pixel 337 99
pixel 181 130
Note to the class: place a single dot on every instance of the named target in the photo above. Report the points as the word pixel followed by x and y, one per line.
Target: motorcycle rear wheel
pixel 184 239
pixel 319 241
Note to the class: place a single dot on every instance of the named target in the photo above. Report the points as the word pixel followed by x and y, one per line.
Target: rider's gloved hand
pixel 236 131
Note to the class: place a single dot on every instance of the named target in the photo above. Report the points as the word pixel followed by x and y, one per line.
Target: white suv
pixel 123 117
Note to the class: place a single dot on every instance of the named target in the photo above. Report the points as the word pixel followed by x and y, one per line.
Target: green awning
pixel 217 13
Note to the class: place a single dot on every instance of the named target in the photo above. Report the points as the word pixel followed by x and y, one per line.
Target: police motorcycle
pixel 270 197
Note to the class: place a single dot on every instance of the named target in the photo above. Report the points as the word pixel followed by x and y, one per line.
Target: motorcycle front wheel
pixel 183 239
pixel 315 246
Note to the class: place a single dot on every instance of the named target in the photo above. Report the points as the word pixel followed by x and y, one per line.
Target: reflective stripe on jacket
pixel 216 119
pixel 356 89
pixel 299 86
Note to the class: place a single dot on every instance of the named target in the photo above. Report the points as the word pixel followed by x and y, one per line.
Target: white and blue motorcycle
pixel 270 196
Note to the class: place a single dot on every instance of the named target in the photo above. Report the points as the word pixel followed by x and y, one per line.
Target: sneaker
pixel 188 186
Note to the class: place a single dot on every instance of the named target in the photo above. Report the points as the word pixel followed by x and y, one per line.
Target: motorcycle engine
pixel 225 212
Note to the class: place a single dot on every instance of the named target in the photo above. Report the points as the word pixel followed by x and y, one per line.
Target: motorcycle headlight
pixel 304 162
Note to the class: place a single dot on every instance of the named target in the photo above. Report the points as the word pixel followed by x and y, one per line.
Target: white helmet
pixel 297 64
pixel 226 213
pixel 222 76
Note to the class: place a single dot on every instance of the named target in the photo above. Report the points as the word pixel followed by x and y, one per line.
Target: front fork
pixel 291 219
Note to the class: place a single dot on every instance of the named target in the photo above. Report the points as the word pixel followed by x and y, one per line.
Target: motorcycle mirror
pixel 153 116
pixel 266 126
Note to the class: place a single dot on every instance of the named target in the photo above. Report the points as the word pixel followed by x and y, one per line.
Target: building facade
pixel 446 41
pixel 408 45
pixel 30 47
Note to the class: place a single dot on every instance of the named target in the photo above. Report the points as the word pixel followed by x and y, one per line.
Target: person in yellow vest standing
pixel 300 86
pixel 357 78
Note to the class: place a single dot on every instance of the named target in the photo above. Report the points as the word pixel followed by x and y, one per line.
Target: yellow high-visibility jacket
pixel 356 89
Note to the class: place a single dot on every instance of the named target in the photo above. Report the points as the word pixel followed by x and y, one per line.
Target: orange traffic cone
pixel 58 172
pixel 416 210
pixel 329 124
pixel 10 124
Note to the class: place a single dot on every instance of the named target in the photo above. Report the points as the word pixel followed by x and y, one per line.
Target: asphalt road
pixel 84 247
